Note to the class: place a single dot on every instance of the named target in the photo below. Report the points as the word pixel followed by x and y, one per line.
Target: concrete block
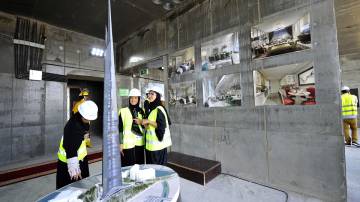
pixel 7 55
pixel 268 8
pixel 54 111
pixel 187 30
pixel 7 24
pixel 5 149
pixel 175 130
pixel 241 118
pixel 302 162
pixel 90 62
pixel 148 44
pixel 307 119
pixel 28 102
pixel 190 116
pixel 27 142
pixel 72 54
pixel 172 34
pixel 198 141
pixel 54 51
pixel 53 134
pixel 5 100
pixel 190 30
pixel 225 14
pixel 54 69
pixel 242 153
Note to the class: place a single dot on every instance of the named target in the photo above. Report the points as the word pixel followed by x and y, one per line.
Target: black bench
pixel 193 168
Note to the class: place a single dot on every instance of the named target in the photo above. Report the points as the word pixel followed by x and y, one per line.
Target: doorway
pixel 96 94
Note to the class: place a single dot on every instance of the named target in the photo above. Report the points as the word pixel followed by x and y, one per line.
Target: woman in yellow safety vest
pixel 72 162
pixel 157 137
pixel 132 137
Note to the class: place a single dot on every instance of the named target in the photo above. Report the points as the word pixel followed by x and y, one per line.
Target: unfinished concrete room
pixel 179 100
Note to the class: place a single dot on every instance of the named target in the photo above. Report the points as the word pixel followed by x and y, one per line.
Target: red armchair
pixel 311 97
pixel 285 99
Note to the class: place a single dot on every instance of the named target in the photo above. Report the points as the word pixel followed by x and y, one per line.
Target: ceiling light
pixel 177 1
pixel 168 6
pixel 158 2
pixel 97 52
pixel 134 59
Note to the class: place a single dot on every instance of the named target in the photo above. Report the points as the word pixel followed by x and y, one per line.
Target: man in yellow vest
pixel 72 162
pixel 349 116
pixel 132 137
pixel 83 96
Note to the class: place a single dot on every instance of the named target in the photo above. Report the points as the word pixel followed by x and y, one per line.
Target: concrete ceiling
pixel 348 27
pixel 281 21
pixel 88 16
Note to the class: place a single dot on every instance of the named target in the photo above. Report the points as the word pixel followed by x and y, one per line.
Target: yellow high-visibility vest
pixel 81 152
pixel 152 142
pixel 130 140
pixel 349 106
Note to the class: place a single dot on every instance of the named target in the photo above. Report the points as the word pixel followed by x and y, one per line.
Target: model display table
pixel 165 187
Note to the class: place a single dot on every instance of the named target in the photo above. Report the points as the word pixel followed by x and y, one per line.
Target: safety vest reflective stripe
pixel 352 105
pixel 349 110
pixel 81 152
pixel 349 105
pixel 140 139
pixel 129 138
pixel 152 142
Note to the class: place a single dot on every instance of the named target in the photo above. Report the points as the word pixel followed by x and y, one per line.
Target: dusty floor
pixel 222 188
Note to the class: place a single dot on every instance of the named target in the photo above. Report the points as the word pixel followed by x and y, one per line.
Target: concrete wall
pixel 143 45
pixel 295 148
pixel 33 113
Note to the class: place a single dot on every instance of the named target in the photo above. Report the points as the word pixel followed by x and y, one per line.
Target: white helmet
pixel 345 88
pixel 155 88
pixel 134 92
pixel 88 110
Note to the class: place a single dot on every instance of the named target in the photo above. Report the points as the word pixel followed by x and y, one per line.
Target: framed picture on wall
pixel 307 77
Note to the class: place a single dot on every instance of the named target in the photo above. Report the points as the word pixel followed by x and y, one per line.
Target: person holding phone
pixel 131 132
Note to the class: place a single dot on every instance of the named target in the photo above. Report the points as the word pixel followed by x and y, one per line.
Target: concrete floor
pixel 96 147
pixel 222 188
pixel 353 173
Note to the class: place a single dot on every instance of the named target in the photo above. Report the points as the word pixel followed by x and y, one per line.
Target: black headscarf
pixel 156 102
pixel 135 109
pixel 77 116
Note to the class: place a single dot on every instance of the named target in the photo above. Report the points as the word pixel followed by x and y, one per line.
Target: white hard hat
pixel 155 88
pixel 88 110
pixel 135 92
pixel 345 88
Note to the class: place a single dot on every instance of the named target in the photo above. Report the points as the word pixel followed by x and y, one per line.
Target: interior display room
pixel 278 145
pixel 297 148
